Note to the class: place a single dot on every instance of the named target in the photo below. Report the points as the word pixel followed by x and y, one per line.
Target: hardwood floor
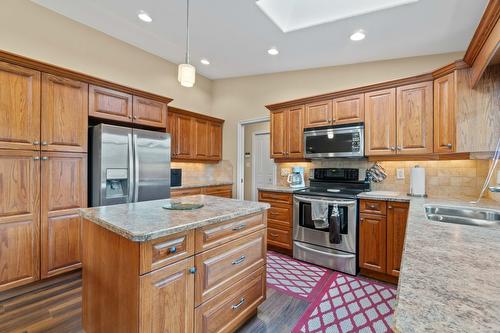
pixel 56 308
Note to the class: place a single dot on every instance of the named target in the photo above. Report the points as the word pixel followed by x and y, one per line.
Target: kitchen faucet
pixel 493 165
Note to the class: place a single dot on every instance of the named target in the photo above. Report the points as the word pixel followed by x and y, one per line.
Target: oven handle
pixel 335 202
pixel 323 253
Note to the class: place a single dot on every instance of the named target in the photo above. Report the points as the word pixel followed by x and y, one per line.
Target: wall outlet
pixel 285 172
pixel 400 173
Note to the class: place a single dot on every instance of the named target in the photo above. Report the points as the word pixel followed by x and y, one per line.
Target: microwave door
pixel 334 143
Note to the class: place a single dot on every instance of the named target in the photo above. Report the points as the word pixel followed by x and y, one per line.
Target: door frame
pixel 240 155
pixel 254 136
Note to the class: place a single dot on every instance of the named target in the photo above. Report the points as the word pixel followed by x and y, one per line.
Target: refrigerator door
pixel 151 165
pixel 112 165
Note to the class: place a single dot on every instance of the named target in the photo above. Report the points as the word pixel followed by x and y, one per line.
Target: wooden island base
pixel 209 279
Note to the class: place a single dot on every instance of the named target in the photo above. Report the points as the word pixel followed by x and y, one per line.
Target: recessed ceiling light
pixel 273 51
pixel 205 61
pixel 143 16
pixel 358 35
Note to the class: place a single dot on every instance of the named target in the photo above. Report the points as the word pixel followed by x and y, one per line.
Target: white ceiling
pixel 235 34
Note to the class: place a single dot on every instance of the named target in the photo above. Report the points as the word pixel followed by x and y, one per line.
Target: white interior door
pixel 263 167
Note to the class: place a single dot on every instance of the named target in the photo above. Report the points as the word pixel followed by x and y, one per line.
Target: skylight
pixel 290 15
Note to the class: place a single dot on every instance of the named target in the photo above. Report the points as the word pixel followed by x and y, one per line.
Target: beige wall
pixel 33 31
pixel 249 130
pixel 244 98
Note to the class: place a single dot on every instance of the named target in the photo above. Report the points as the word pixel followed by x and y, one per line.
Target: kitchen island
pixel 149 269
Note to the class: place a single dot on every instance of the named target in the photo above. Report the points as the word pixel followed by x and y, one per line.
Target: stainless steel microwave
pixel 335 141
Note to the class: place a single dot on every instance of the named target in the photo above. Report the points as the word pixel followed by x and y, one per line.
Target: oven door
pixel 334 142
pixel 305 231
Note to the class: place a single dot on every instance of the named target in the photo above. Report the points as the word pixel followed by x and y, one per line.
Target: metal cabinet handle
pixel 236 306
pixel 449 145
pixel 372 206
pixel 399 148
pixel 390 207
pixel 36 143
pixel 173 249
pixel 239 260
pixel 36 158
pixel 239 227
pixel 129 117
pixel 135 117
pixel 393 148
pixel 44 143
pixel 192 270
pixel 361 219
pixel 45 158
pixel 273 235
pixel 334 120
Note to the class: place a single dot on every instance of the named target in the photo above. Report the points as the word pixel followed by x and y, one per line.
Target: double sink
pixel 480 217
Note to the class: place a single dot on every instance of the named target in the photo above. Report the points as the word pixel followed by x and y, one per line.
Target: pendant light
pixel 187 72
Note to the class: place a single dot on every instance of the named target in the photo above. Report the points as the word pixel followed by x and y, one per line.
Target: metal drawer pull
pixel 45 158
pixel 239 227
pixel 235 306
pixel 36 158
pixel 36 143
pixel 44 143
pixel 372 206
pixel 273 235
pixel 239 260
pixel 173 249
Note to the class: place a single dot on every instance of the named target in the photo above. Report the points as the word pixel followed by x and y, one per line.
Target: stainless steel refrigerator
pixel 128 165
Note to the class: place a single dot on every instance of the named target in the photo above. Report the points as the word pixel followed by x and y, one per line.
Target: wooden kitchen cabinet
pixel 397 216
pixel 348 110
pixel 149 112
pixel 201 138
pixel 444 114
pixel 64 114
pixel 19 218
pixel 280 220
pixel 372 245
pixel 215 141
pixel 64 191
pixel 318 114
pixel 19 107
pixel 287 130
pixel 185 137
pixel 380 122
pixel 105 103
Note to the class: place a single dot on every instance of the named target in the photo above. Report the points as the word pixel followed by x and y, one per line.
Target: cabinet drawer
pixel 183 192
pixel 211 236
pixel 373 207
pixel 228 310
pixel 279 237
pixel 166 250
pixel 285 198
pixel 213 190
pixel 280 213
pixel 221 267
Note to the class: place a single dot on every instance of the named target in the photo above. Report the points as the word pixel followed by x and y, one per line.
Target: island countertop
pixel 144 221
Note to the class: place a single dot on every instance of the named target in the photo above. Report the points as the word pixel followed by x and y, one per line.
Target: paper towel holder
pixel 416 195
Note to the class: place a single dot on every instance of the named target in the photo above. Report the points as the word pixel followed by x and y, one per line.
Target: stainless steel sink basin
pixel 463 215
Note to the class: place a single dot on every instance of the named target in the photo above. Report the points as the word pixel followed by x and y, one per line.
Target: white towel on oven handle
pixel 319 214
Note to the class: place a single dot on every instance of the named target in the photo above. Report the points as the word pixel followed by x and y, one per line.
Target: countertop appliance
pixel 296 177
pixel 335 141
pixel 128 165
pixel 338 188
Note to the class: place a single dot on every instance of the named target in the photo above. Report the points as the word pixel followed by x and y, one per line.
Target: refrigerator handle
pixel 131 181
pixel 136 170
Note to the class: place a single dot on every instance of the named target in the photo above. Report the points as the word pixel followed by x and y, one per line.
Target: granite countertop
pixel 402 197
pixel 450 274
pixel 200 185
pixel 147 220
pixel 279 188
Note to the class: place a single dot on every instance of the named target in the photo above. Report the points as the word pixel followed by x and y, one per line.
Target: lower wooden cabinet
pixel 382 230
pixel 280 220
pixel 225 191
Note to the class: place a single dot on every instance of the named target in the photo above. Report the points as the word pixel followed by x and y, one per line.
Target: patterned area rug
pixel 350 304
pixel 294 277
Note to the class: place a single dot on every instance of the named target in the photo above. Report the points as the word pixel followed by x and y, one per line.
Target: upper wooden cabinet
pixel 444 114
pixel 380 122
pixel 110 104
pixel 318 114
pixel 19 218
pixel 194 137
pixel 149 112
pixel 64 114
pixel 19 107
pixel 287 130
pixel 348 110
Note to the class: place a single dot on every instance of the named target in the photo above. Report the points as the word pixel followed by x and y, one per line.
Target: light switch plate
pixel 285 171
pixel 400 173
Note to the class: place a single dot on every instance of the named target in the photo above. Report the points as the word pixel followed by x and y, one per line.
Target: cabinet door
pixel 372 242
pixel 149 112
pixel 201 138
pixel 171 128
pixel 318 114
pixel 415 119
pixel 64 191
pixel 397 214
pixel 444 114
pixel 19 107
pixel 348 110
pixel 278 134
pixel 110 104
pixel 215 145
pixel 167 299
pixel 185 136
pixel 295 128
pixel 19 218
pixel 380 122
pixel 64 114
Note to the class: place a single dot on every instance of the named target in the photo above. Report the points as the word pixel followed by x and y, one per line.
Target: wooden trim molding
pixel 426 157
pixel 488 21
pixel 71 74
pixel 445 70
pixel 172 109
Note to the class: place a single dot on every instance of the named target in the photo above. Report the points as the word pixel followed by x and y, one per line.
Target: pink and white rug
pixel 294 277
pixel 350 304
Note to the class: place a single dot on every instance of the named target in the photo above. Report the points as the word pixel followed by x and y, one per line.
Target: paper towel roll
pixel 417 181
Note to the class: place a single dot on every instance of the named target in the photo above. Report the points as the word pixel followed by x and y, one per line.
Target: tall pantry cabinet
pixel 43 171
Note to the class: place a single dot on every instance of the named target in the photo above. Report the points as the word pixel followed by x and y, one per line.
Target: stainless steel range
pixel 334 191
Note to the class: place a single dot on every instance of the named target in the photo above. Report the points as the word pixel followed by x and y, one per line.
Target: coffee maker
pixel 296 177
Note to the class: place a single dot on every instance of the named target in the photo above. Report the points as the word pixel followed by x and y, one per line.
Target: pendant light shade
pixel 186 72
pixel 186 75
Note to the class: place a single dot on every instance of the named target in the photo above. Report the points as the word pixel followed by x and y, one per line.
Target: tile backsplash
pixel 205 173
pixel 460 178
